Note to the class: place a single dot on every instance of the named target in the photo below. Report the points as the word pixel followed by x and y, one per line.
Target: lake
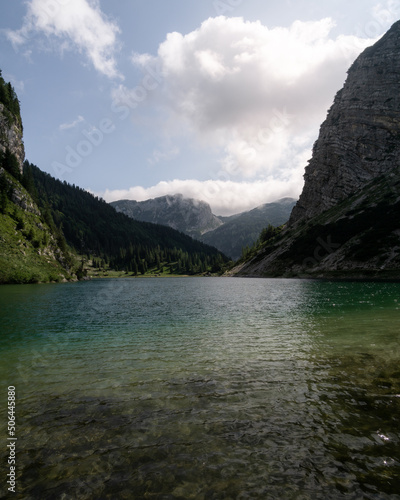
pixel 202 388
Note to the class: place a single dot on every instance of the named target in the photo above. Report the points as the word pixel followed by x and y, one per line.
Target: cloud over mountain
pixel 224 197
pixel 258 94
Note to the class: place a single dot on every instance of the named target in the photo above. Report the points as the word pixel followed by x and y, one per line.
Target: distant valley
pixel 53 231
pixel 345 224
pixel 195 218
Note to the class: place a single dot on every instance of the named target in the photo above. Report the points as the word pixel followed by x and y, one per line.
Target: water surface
pixel 203 388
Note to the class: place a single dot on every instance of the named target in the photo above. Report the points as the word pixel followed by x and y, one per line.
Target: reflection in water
pixel 204 389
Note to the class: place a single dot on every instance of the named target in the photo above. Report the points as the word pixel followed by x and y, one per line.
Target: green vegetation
pixel 30 244
pixel 94 229
pixel 9 98
pixel 98 269
pixel 360 235
pixel 51 231
pixel 29 253
pixel 242 231
pixel 266 239
pixel 373 225
pixel 10 163
pixel 42 241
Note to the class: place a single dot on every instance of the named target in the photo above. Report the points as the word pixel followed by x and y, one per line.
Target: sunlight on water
pixel 203 388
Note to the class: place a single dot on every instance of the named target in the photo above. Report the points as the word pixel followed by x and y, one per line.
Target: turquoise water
pixel 203 388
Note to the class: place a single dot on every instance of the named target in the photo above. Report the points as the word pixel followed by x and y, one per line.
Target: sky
pixel 219 100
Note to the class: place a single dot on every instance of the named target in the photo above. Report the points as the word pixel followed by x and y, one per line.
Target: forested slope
pixel 93 227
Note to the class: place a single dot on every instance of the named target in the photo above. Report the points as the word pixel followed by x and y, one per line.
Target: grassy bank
pixel 27 250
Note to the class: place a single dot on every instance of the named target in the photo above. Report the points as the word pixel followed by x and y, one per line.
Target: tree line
pixel 94 228
pixel 9 98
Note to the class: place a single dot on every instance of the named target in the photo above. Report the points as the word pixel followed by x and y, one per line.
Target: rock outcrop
pixel 192 217
pixel 29 251
pixel 195 218
pixel 11 135
pixel 360 138
pixel 346 223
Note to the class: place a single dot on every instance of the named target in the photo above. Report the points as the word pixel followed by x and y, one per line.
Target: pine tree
pixel 3 194
pixel 10 163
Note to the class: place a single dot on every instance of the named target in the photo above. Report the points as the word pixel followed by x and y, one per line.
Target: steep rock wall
pixel 11 135
pixel 360 138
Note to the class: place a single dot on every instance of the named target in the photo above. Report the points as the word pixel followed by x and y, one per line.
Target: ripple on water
pixel 258 391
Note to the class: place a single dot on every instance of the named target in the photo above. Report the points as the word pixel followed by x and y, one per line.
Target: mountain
pixel 93 228
pixel 347 220
pixel 242 230
pixel 31 248
pixel 49 229
pixel 360 139
pixel 11 129
pixel 192 217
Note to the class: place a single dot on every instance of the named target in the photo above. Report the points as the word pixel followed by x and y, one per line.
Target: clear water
pixel 203 388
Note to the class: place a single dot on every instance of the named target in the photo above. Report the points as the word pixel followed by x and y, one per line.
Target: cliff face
pixel 360 139
pixel 358 238
pixel 29 251
pixel 11 136
pixel 192 217
pixel 195 218
pixel 346 223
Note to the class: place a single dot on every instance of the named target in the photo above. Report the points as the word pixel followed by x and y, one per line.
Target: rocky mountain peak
pixel 360 138
pixel 11 145
pixel 190 216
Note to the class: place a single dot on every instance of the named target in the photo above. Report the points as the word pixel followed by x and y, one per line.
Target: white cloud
pixel 385 14
pixel 226 197
pixel 77 23
pixel 73 124
pixel 257 94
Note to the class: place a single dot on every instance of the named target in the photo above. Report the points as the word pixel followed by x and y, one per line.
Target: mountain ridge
pixel 50 230
pixel 242 230
pixel 190 216
pixel 31 249
pixel 346 223
pixel 360 138
pixel 194 217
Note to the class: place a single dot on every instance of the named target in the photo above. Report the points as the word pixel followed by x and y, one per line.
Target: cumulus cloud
pixel 226 197
pixel 76 23
pixel 258 94
pixel 73 124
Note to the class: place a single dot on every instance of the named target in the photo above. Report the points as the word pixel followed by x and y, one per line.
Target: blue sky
pixel 219 100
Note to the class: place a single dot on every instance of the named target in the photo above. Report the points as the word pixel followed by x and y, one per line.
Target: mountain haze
pixel 92 227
